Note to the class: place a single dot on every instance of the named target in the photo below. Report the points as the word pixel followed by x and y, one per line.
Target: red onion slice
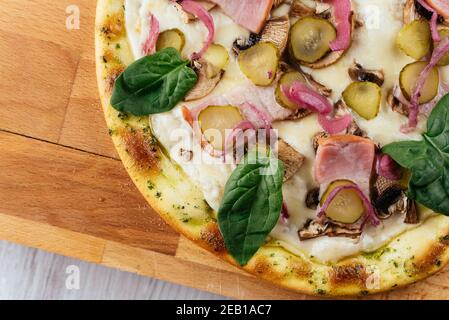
pixel 388 168
pixel 342 12
pixel 304 97
pixel 437 54
pixel 149 47
pixel 199 11
pixel 335 125
pixel 370 212
pixel 260 115
pixel 433 21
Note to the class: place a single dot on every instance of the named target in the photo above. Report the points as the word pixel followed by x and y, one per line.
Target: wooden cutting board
pixel 62 187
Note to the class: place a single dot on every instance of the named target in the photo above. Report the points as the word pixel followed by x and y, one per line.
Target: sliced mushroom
pixel 320 88
pixel 358 73
pixel 316 139
pixel 299 114
pixel 385 200
pixel 409 205
pixel 410 13
pixel 292 159
pixel 353 129
pixel 276 31
pixel 413 10
pixel 395 104
pixel 313 198
pixel 299 9
pixel 314 229
pixel 241 44
pixel 389 198
pixel 277 3
pixel 188 17
pixel 317 86
pixel 205 85
pixel 323 9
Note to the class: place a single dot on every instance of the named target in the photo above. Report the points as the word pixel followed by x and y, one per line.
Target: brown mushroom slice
pixel 389 198
pixel 395 104
pixel 188 17
pixel 173 38
pixel 415 39
pixel 215 121
pixel 364 98
pixel 320 88
pixel 310 39
pixel 411 209
pixel 314 229
pixel 277 3
pixel 205 85
pixel 260 63
pixel 316 139
pixel 358 73
pixel 299 9
pixel 276 31
pixel 217 57
pixel 409 77
pixel 293 160
pixel 347 206
pixel 409 13
pixel 286 80
pixel 313 198
pixel 444 33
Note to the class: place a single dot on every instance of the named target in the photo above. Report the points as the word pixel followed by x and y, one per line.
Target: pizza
pixel 303 141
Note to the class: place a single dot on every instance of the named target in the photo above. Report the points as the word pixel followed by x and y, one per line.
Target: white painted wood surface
pixel 27 273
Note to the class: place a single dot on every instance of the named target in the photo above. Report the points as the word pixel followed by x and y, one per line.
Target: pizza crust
pixel 409 257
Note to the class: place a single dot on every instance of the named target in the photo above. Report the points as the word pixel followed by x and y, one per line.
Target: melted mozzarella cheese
pixel 373 47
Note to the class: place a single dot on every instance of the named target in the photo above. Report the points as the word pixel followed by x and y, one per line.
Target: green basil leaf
pixel 251 205
pixel 428 160
pixel 153 84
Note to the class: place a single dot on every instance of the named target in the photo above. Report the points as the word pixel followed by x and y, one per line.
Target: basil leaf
pixel 153 84
pixel 251 206
pixel 428 160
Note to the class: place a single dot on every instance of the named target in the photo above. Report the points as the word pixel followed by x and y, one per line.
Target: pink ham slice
pixel 262 98
pixel 250 14
pixel 345 157
pixel 440 6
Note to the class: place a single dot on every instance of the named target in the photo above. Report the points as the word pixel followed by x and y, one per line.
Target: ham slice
pixel 250 14
pixel 440 6
pixel 249 97
pixel 345 157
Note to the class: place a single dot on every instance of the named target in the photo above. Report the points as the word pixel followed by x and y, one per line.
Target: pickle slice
pixel 173 38
pixel 347 206
pixel 444 33
pixel 287 80
pixel 415 39
pixel 310 39
pixel 260 63
pixel 409 76
pixel 364 98
pixel 215 120
pixel 217 57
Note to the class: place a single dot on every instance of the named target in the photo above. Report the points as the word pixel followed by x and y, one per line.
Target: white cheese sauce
pixel 373 47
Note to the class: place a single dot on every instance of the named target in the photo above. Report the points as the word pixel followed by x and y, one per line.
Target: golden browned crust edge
pixel 409 257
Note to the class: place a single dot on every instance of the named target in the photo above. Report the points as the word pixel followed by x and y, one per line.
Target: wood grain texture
pixel 35 274
pixel 63 189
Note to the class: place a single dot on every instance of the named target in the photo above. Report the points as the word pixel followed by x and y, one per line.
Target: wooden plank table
pixel 63 188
